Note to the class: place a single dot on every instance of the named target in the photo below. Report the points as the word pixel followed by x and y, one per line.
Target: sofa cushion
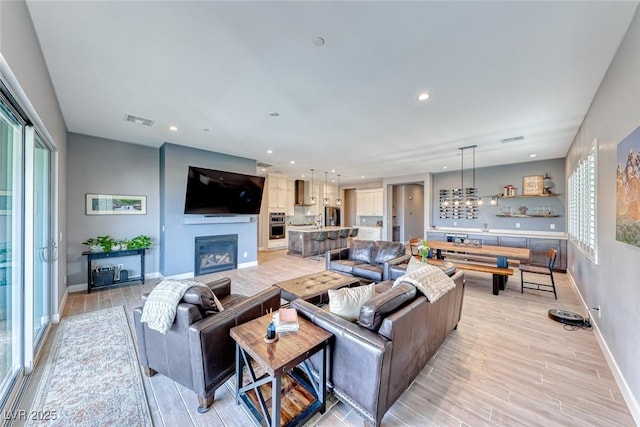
pixel 346 302
pixel 204 298
pixel 386 251
pixel 343 265
pixel 377 308
pixel 361 250
pixel 368 271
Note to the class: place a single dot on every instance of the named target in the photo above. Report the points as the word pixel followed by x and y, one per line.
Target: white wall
pixel 23 68
pixel 613 282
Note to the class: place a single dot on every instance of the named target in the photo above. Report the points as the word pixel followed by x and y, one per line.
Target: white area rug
pixel 92 376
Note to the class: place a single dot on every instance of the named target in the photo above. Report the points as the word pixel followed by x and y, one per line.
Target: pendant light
pixel 326 199
pixel 338 200
pixel 312 200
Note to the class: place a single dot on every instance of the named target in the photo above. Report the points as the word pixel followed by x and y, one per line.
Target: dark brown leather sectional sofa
pixel 372 367
pixel 365 258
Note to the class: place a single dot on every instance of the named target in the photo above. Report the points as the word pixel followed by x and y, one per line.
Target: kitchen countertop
pixel 515 233
pixel 310 229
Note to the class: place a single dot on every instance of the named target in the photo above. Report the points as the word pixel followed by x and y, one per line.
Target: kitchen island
pixel 302 241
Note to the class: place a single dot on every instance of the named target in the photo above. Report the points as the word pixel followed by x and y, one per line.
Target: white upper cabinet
pixel 369 202
pixel 277 194
pixel 291 197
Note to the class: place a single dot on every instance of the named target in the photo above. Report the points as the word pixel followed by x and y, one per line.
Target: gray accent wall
pixel 490 181
pixel 104 166
pixel 178 239
pixel 612 282
pixel 25 71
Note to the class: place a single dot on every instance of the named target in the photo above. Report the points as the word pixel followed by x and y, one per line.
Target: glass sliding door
pixel 43 244
pixel 11 311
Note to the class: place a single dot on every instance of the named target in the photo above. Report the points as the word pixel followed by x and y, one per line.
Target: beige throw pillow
pixel 346 302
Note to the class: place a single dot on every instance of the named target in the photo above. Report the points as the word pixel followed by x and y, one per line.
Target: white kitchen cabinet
pixel 369 202
pixel 277 192
pixel 291 197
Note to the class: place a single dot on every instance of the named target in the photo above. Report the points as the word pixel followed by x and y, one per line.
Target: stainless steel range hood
pixel 299 188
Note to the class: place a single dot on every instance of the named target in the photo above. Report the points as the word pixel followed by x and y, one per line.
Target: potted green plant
pixel 106 242
pixel 140 242
pixel 93 244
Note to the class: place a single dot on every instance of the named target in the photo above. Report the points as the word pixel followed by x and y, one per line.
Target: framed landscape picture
pixel 110 204
pixel 628 190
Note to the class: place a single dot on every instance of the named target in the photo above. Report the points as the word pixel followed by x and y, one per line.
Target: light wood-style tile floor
pixel 507 364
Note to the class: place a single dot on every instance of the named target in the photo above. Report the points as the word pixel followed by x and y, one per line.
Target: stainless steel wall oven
pixel 277 226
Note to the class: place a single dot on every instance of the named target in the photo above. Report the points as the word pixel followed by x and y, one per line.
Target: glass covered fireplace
pixel 215 253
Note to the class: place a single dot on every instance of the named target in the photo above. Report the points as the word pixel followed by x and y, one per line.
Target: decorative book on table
pixel 286 320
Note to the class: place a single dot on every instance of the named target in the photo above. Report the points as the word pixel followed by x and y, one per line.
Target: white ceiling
pixel 494 70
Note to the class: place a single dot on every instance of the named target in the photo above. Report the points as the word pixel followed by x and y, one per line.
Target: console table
pixel 91 256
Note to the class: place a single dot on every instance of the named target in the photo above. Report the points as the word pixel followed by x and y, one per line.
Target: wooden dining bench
pixel 500 274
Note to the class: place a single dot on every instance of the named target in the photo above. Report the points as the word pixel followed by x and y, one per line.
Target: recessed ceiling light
pixel 269 151
pixel 303 175
pixel 333 180
pixel 292 161
pixel 263 169
pixel 173 128
pixel 362 177
pixel 333 171
pixel 423 96
pixel 445 167
pixel 532 155
pixel 318 41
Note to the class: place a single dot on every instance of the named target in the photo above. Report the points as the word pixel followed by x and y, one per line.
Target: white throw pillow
pixel 346 302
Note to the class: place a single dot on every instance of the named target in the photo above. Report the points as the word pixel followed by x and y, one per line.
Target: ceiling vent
pixel 139 120
pixel 263 165
pixel 512 139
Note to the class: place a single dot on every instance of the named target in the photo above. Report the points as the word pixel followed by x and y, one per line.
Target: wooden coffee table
pixel 314 287
pixel 303 396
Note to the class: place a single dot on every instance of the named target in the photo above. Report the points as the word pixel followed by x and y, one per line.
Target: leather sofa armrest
pixel 386 271
pixel 334 254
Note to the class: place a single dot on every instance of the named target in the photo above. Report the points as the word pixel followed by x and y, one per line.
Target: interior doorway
pixel 407 213
pixel 349 214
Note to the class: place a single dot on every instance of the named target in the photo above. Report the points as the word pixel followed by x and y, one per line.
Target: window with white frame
pixel 582 204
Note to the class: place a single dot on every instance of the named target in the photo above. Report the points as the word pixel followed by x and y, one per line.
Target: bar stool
pixel 319 238
pixel 344 235
pixel 354 233
pixel 333 237
pixel 545 271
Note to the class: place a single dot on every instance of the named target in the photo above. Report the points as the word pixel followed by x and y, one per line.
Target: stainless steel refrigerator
pixel 331 216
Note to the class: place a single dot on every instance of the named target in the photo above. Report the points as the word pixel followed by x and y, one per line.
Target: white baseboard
pixel 56 316
pixel 627 394
pixel 248 264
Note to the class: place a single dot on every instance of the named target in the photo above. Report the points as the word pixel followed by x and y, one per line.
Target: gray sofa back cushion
pixel 385 251
pixel 377 308
pixel 361 250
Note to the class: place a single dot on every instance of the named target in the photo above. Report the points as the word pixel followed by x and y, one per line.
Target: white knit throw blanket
pixel 160 308
pixel 429 280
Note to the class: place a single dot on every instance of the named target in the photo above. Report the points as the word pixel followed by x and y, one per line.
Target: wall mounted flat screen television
pixel 213 192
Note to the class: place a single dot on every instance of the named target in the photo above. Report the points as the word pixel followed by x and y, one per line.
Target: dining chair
pixel 545 271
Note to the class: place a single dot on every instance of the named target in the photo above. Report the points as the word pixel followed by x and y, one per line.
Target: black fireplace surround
pixel 215 253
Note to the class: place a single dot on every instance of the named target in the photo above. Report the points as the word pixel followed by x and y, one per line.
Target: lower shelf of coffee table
pixel 298 399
